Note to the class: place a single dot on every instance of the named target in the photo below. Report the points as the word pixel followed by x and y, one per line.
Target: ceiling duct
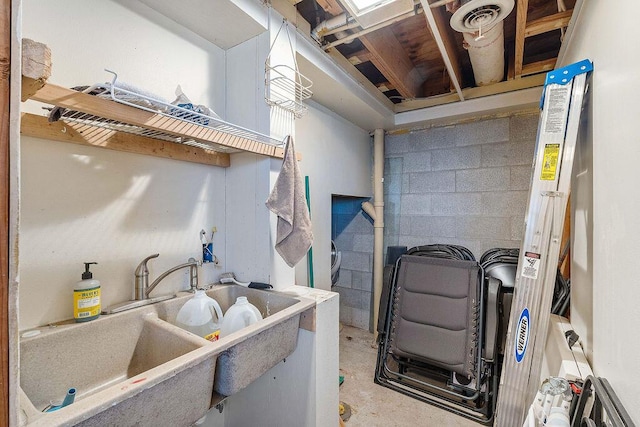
pixel 481 23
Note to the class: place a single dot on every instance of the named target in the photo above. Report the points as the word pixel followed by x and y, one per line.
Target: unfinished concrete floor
pixel 374 405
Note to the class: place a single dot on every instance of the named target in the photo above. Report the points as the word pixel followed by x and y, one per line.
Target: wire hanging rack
pixel 285 86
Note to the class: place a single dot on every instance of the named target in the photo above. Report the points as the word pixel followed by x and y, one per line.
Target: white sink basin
pixel 136 368
pixel 127 368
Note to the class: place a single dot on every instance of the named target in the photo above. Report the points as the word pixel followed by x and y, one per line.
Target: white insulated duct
pixel 481 22
pixel 328 25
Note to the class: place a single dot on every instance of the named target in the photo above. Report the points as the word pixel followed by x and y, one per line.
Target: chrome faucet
pixel 142 287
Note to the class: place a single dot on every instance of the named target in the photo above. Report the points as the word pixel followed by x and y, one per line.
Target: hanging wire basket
pixel 285 86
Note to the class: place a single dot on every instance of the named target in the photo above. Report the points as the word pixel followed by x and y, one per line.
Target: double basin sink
pixel 137 368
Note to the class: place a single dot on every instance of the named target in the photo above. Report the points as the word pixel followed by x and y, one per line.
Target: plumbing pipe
pixel 330 24
pixel 378 222
pixel 368 30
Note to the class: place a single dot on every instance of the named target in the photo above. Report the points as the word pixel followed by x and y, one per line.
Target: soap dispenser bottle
pixel 86 296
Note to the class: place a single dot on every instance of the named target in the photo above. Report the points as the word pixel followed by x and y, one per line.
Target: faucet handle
pixel 142 267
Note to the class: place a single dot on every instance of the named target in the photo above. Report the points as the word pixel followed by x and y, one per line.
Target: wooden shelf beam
pixel 539 67
pixel 78 133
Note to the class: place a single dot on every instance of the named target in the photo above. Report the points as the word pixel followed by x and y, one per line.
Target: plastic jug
pixel 240 315
pixel 198 314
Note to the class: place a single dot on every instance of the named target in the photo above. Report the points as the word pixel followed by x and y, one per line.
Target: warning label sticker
pixel 531 265
pixel 557 106
pixel 550 162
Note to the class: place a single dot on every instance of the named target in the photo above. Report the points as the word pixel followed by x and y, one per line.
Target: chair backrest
pixel 435 317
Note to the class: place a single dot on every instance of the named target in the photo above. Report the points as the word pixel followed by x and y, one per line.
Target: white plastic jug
pixel 240 315
pixel 197 316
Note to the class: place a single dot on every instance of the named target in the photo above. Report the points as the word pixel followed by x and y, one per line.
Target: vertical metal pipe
pixel 378 222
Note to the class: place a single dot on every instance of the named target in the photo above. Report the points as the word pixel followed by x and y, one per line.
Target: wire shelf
pixel 285 86
pixel 187 126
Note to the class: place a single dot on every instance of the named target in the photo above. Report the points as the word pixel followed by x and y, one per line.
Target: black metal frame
pixel 598 406
pixel 476 403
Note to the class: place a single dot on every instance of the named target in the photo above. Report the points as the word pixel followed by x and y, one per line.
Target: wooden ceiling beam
pixel 538 67
pixel 437 24
pixel 332 7
pixel 521 25
pixel 360 57
pixel 548 23
pixel 389 57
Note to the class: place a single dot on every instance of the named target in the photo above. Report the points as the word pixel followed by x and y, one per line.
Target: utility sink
pixel 254 350
pixel 137 368
pixel 128 369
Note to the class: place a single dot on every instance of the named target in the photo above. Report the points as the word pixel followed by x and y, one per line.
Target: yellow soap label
pixel 550 162
pixel 86 303
pixel 214 336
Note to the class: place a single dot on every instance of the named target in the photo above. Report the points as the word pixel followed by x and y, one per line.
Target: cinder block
pixel 433 226
pixel 413 241
pixel 396 144
pixel 361 319
pixel 495 228
pixel 363 242
pixel 456 204
pixel 491 244
pixel 349 297
pixel 345 279
pixel 366 301
pixel 517 228
pixel 415 204
pixel 417 162
pixel 488 179
pixel 392 205
pixel 475 246
pixel 455 158
pixel 393 165
pixel 405 184
pixel 520 177
pixel 344 241
pixel 361 223
pixel 508 153
pixel 346 315
pixel 392 184
pixel 357 261
pixel 482 132
pixel 405 225
pixel 507 203
pixel 432 182
pixel 524 127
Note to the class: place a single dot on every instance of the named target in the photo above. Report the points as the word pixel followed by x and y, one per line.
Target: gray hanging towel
pixel 288 202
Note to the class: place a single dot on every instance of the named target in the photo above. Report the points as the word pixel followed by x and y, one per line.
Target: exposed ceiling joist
pixel 521 25
pixel 473 93
pixel 389 57
pixel 436 21
pixel 548 23
pixel 538 67
pixel 332 7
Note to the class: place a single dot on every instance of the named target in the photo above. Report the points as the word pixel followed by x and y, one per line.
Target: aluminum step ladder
pixel 561 104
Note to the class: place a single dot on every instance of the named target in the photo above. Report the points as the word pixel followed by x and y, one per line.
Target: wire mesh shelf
pixel 176 124
pixel 285 86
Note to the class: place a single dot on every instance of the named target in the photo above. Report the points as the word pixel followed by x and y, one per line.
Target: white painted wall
pixel 87 204
pixel 337 158
pixel 605 291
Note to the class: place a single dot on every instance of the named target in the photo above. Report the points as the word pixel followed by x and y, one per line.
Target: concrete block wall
pixel 352 233
pixel 464 184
